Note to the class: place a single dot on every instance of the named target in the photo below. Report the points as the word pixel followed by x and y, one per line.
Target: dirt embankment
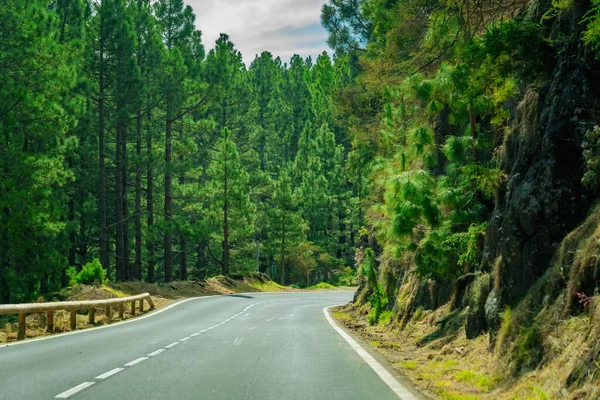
pixel 162 295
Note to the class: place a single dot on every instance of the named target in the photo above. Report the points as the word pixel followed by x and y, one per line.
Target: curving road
pixel 264 346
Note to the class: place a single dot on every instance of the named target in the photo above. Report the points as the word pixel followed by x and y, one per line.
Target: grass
pixel 534 392
pixel 384 318
pixel 482 382
pixel 322 285
pixel 269 286
pixel 342 316
pixel 114 291
pixel 410 365
pixel 505 327
pixel 457 396
pixel 375 343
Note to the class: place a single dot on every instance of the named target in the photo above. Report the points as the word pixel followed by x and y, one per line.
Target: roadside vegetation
pixel 477 125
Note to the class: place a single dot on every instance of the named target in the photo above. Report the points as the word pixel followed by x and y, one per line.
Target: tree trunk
pixel 72 233
pixel 127 275
pixel 282 280
pixel 168 201
pixel 360 199
pixel 44 284
pixel 82 243
pixel 182 246
pixel 225 270
pixel 342 228
pixel 473 127
pixel 150 206
pixel 201 261
pixel 308 279
pixel 4 256
pixel 137 270
pixel 183 258
pixel 119 244
pixel 103 242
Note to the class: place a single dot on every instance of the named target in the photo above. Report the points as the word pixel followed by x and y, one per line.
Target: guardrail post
pixel 92 315
pixel 50 321
pixel 133 308
pixel 21 334
pixel 73 319
pixel 121 310
pixel 108 313
pixel 141 306
pixel 150 302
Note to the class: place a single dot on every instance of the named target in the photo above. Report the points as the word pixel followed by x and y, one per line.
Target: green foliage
pixel 379 302
pixel 344 277
pixel 88 273
pixel 467 243
pixel 378 296
pixel 367 268
pixel 385 317
pixel 480 381
pixel 528 348
pixel 124 139
pixel 591 154
pixel 591 36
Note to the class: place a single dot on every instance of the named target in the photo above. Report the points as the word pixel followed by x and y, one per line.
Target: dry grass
pixel 547 347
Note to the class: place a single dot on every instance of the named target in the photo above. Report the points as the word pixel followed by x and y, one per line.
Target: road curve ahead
pixel 263 346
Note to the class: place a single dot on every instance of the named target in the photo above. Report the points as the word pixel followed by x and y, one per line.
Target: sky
pixel 283 27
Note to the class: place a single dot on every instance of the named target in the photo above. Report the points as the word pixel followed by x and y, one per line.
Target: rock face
pixel 543 198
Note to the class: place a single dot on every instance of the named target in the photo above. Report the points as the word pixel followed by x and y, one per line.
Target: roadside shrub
pixel 379 303
pixel 88 274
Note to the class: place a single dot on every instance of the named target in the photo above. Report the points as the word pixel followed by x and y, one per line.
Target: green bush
pixel 88 274
pixel 379 303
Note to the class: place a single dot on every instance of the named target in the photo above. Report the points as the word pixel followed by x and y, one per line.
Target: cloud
pixel 283 27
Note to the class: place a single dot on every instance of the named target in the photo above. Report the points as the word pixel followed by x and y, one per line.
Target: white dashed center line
pixel 106 375
pixel 110 373
pixel 72 391
pixel 134 362
pixel 155 353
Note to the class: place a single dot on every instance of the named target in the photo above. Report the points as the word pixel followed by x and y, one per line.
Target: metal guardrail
pixel 91 305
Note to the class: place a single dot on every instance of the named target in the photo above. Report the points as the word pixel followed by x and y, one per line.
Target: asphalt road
pixel 264 346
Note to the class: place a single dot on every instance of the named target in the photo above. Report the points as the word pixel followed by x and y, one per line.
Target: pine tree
pixel 182 94
pixel 286 225
pixel 34 124
pixel 231 211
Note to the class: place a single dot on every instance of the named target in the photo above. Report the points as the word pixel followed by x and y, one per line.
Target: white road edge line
pixel 194 334
pixel 152 314
pixel 171 345
pixel 385 376
pixel 72 391
pixel 134 362
pixel 155 353
pixel 114 324
pixel 110 373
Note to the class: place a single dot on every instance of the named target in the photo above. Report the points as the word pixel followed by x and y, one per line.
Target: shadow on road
pixel 243 296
